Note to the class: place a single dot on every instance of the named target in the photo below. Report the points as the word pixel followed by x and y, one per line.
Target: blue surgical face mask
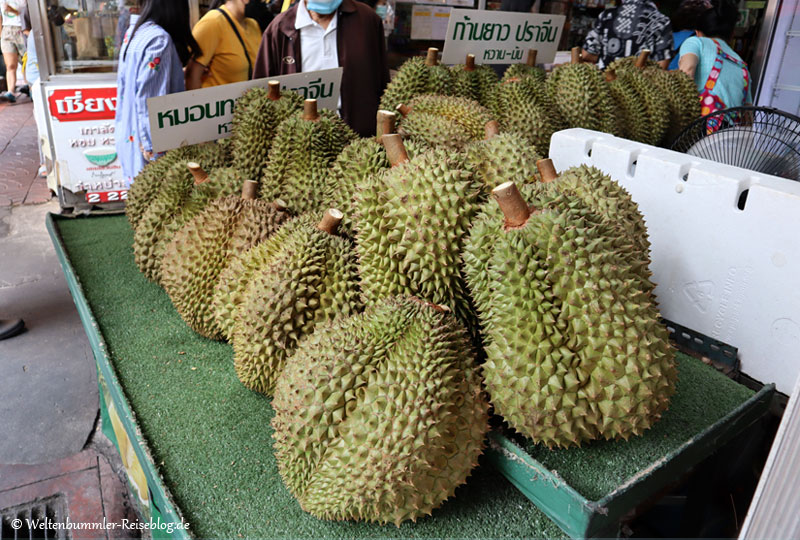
pixel 323 7
pixel 381 11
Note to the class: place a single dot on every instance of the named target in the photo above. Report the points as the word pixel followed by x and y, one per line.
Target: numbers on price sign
pixel 98 197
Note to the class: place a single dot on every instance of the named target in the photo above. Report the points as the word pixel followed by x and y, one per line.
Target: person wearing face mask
pixel 325 34
pixel 229 41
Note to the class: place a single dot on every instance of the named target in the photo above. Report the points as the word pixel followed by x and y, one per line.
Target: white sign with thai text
pixel 206 114
pixel 501 37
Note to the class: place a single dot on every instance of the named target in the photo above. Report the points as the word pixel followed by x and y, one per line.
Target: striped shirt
pixel 148 66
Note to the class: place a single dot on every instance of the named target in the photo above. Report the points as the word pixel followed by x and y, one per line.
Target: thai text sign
pixel 499 37
pixel 205 115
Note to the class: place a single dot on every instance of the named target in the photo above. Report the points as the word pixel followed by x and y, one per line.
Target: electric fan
pixel 757 138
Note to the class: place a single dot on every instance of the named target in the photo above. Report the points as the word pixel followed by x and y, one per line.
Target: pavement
pixel 50 438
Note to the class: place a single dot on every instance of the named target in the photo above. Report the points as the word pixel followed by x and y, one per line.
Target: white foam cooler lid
pixel 731 274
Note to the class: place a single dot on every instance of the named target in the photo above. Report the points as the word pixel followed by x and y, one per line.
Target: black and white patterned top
pixel 627 29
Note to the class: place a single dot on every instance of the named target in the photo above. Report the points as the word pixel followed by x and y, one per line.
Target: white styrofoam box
pixel 728 273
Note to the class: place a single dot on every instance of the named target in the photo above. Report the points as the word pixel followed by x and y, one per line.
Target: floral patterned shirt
pixel 148 66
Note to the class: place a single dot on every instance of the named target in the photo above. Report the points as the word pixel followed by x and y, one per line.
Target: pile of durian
pixel 387 291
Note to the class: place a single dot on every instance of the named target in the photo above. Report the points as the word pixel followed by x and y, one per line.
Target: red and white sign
pixel 83 104
pixel 82 123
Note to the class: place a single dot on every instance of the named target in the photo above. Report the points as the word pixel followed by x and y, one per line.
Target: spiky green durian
pixel 502 158
pixel 415 77
pixel 475 82
pixel 575 350
pixel 435 131
pixel 581 97
pixel 648 114
pixel 201 250
pixel 468 114
pixel 310 280
pixel 519 71
pixel 148 182
pixel 174 192
pixel 629 115
pixel 523 106
pixel 410 223
pixel 358 161
pixel 380 417
pixel 303 149
pixel 256 119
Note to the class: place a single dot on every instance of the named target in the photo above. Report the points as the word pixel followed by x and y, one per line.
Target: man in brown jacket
pixel 302 39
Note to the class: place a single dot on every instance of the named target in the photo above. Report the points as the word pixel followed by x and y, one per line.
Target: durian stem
pixel 197 171
pixel 514 207
pixel 249 190
pixel 403 109
pixel 395 149
pixel 274 90
pixel 330 221
pixel 386 123
pixel 469 65
pixel 310 110
pixel 280 205
pixel 433 57
pixel 492 128
pixel 575 55
pixel 610 75
pixel 436 307
pixel 531 57
pixel 547 170
pixel 641 61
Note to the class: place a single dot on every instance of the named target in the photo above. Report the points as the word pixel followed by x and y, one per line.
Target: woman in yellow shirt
pixel 229 42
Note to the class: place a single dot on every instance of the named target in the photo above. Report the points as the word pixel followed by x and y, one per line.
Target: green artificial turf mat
pixel 594 470
pixel 211 437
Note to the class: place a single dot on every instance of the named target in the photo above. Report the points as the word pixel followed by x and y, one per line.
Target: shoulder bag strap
pixel 235 31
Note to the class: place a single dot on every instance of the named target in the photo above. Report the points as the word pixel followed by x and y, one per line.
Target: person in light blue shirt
pixel 721 76
pixel 156 46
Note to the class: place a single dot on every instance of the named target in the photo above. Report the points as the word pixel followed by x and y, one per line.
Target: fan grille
pixel 756 138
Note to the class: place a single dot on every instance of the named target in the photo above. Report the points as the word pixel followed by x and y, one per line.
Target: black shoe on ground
pixel 11 327
pixel 25 90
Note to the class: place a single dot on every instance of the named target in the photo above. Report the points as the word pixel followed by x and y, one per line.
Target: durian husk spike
pixel 492 128
pixel 197 171
pixel 531 60
pixel 514 207
pixel 547 170
pixel 330 221
pixel 469 65
pixel 403 109
pixel 395 149
pixel 274 90
pixel 433 57
pixel 249 190
pixel 386 122
pixel 610 75
pixel 310 112
pixel 575 55
pixel 641 60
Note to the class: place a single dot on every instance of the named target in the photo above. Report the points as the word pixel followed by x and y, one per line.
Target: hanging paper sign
pixel 206 114
pixel 500 37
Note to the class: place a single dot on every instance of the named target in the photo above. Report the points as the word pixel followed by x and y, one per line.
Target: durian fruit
pixel 581 96
pixel 379 417
pixel 575 350
pixel 220 182
pixel 303 149
pixel 502 157
pixel 629 117
pixel 475 82
pixel 447 122
pixel 148 182
pixel 677 89
pixel 256 120
pixel 415 77
pixel 528 69
pixel 201 250
pixel 311 279
pixel 411 221
pixel 174 192
pixel 522 105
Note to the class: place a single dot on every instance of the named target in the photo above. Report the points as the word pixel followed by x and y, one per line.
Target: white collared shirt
pixel 317 44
